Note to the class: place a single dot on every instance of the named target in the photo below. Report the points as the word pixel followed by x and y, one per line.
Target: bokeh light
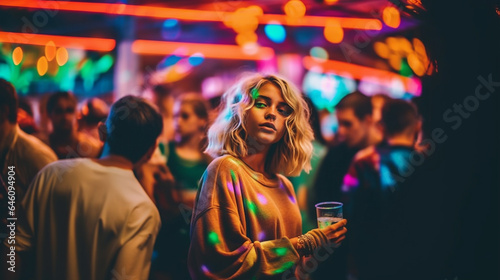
pixel 50 50
pixel 171 29
pixel 295 9
pixel 42 66
pixel 395 61
pixel 196 59
pixel 104 63
pixel 247 37
pixel 17 55
pixel 319 53
pixel 416 65
pixel 381 49
pixel 62 56
pixel 391 17
pixel 333 32
pixel 275 32
pixel 168 61
pixel 405 69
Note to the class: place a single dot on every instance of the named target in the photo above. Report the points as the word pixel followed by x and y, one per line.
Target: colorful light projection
pixel 388 79
pixel 404 56
pixel 86 43
pixel 192 14
pixel 53 64
pixel 213 238
pixel 326 89
pixel 217 51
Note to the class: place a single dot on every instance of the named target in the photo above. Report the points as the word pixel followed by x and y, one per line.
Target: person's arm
pixel 134 258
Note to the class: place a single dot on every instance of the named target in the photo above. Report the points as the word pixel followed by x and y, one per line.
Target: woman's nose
pixel 271 114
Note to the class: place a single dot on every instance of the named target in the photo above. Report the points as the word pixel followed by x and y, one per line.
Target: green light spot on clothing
pixel 233 175
pixel 284 267
pixel 213 238
pixel 255 93
pixel 251 207
pixel 280 251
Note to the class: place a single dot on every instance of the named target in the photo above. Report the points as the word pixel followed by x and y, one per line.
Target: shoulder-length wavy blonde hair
pixel 228 134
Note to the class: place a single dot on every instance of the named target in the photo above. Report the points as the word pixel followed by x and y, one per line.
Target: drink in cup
pixel 328 213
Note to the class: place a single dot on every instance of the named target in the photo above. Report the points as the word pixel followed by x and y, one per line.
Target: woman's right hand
pixel 336 232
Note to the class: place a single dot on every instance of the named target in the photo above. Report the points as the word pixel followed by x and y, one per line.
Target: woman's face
pixel 265 121
pixel 186 122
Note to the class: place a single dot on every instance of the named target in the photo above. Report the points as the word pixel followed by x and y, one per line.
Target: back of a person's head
pixel 94 110
pixel 133 126
pixel 358 102
pixel 8 100
pixel 54 98
pixel 398 115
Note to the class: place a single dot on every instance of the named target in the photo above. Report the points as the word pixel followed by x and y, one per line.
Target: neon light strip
pixel 412 86
pixel 184 14
pixel 86 43
pixel 147 47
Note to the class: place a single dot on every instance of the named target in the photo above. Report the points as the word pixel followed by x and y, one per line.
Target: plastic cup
pixel 328 213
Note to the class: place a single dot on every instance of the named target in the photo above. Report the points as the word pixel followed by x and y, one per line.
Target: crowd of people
pixel 172 188
pixel 108 191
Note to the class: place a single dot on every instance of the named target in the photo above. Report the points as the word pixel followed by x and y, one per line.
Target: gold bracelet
pixel 303 246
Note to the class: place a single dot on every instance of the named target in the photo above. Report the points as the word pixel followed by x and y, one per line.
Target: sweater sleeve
pixel 220 248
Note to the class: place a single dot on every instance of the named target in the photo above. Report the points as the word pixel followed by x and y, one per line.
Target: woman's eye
pixel 260 105
pixel 285 112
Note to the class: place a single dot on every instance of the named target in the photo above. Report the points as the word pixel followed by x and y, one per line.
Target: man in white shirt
pixel 88 218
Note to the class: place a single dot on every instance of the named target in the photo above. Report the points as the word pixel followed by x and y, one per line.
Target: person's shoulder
pixel 224 163
pixel 285 181
pixel 36 151
pixel 364 154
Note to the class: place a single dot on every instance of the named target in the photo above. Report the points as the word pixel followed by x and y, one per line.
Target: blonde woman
pixel 246 223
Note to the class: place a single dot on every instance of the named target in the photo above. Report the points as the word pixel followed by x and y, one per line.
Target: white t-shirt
pixel 87 221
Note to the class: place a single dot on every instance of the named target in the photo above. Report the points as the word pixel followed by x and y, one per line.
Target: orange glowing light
pixel 416 65
pixel 295 9
pixel 419 48
pixel 244 38
pixel 50 50
pixel 62 56
pixel 381 49
pixel 86 43
pixel 42 66
pixel 358 72
pixel 391 17
pixel 217 51
pixel 188 14
pixel 331 2
pixel 17 55
pixel 333 32
pixel 395 61
pixel 317 21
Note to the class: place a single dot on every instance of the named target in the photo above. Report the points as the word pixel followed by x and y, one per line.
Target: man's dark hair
pixel 360 103
pixel 398 115
pixel 133 125
pixel 8 100
pixel 53 98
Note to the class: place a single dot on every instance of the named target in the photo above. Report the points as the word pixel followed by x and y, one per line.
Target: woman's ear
pixel 103 133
